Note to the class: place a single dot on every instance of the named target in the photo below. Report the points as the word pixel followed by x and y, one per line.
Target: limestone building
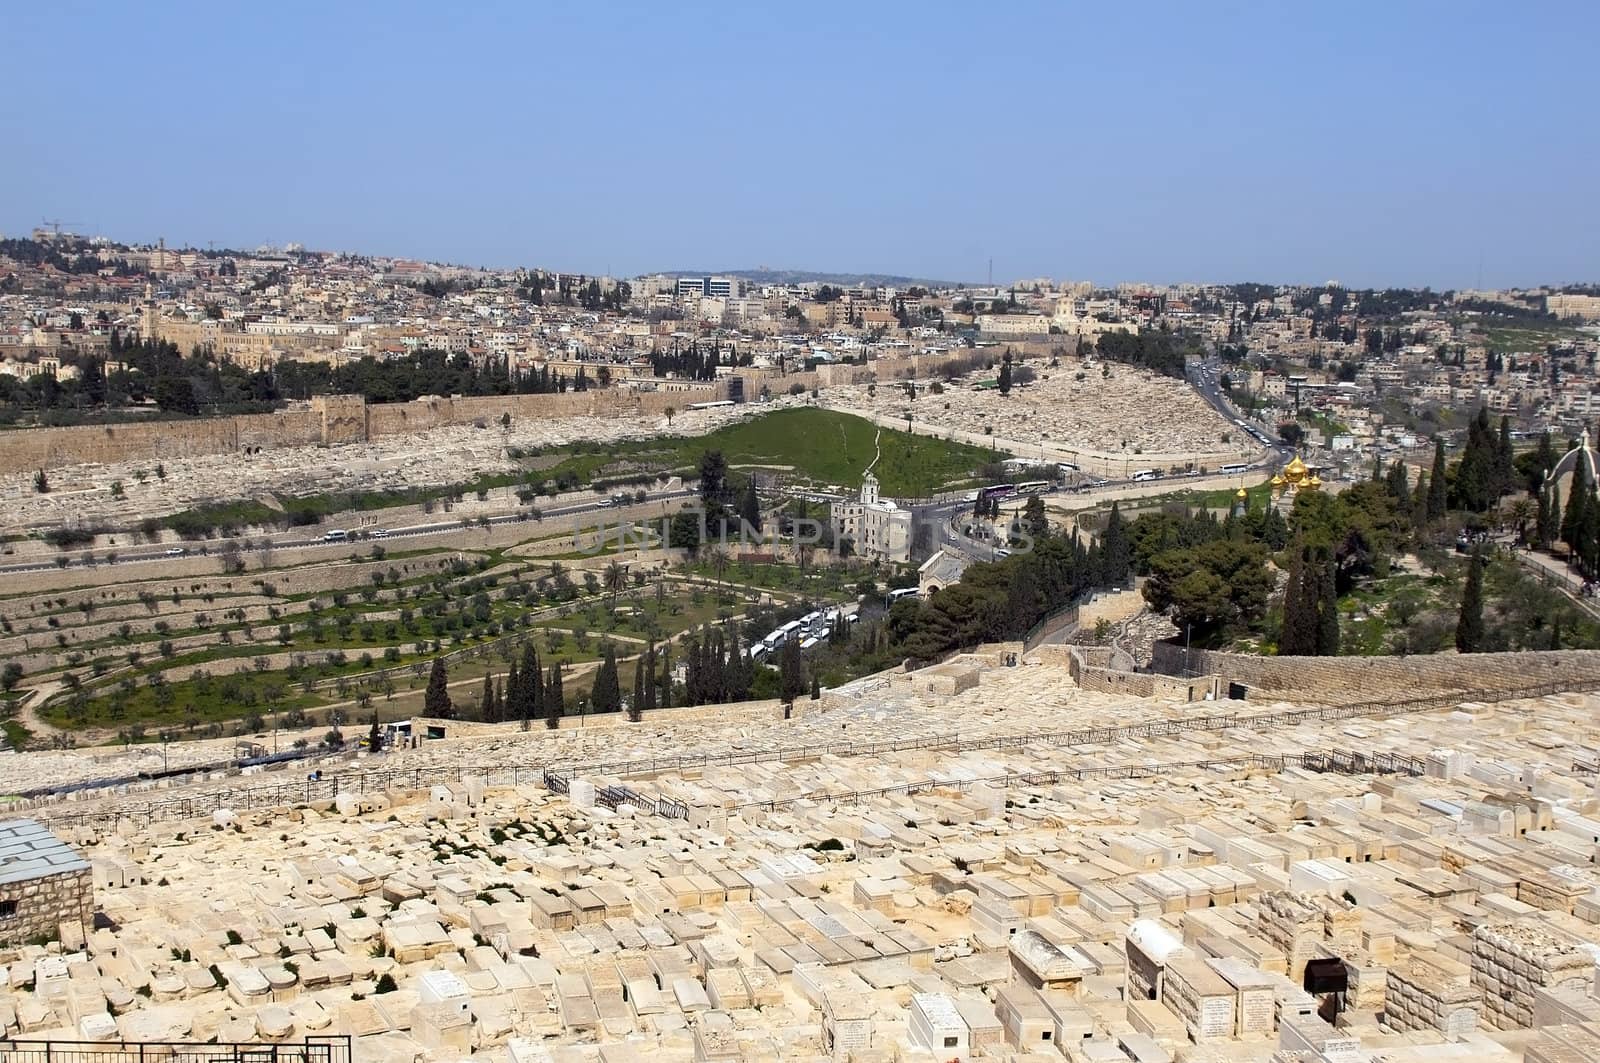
pixel 876 527
pixel 44 884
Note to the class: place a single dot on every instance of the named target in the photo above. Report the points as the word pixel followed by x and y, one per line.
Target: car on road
pixel 176 551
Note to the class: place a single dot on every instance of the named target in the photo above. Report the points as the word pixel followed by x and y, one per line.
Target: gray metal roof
pixel 28 850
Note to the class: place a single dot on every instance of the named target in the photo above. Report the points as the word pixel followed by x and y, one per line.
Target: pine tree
pixel 436 699
pixel 554 700
pixel 1437 484
pixel 1469 627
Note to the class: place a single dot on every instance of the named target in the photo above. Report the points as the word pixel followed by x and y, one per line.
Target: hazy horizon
pixel 1385 146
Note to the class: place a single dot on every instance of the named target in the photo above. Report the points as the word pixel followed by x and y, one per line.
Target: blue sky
pixel 1372 143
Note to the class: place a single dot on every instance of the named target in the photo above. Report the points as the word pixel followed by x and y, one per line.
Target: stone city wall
pixel 329 419
pixel 44 904
pixel 1347 679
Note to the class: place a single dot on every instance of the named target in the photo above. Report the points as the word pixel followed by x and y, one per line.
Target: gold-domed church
pixel 1296 476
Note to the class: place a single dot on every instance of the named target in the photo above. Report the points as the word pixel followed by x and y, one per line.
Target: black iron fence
pixel 1333 761
pixel 311 1050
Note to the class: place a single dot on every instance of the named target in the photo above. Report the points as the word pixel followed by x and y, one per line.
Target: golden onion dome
pixel 1314 481
pixel 1277 481
pixel 1295 471
pixel 1241 494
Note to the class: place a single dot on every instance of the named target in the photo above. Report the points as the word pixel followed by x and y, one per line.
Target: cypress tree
pixel 606 694
pixel 1577 503
pixel 1504 470
pixel 790 681
pixel 1469 627
pixel 1588 545
pixel 486 702
pixel 649 692
pixel 533 692
pixel 1553 530
pixel 816 686
pixel 1541 520
pixel 512 708
pixel 436 699
pixel 1327 610
pixel 1116 552
pixel 1436 484
pixel 1398 483
pixel 554 700
pixel 666 677
pixel 750 505
pixel 1555 633
pixel 1299 635
pixel 500 702
pixel 636 706
pixel 1547 453
pixel 374 734
pixel 527 707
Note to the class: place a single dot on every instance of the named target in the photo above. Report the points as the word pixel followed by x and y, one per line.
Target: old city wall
pixel 52 448
pixel 1349 679
pixel 329 419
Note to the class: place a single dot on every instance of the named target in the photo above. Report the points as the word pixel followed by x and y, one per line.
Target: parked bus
pixel 1144 475
pixel 904 592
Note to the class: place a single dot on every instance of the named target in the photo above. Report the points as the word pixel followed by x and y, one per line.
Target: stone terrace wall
pixel 1344 679
pixel 328 419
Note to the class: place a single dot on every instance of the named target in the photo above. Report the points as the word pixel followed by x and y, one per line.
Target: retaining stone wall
pixel 1347 679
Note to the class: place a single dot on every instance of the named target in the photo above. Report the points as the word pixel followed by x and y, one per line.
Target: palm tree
pixel 615 579
pixel 719 562
pixel 1519 513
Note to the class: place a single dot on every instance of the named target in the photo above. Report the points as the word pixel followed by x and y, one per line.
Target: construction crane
pixel 55 224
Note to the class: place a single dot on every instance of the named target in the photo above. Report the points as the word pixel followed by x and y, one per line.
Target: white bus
pixel 1144 475
pixel 335 536
pixel 1231 470
pixel 904 592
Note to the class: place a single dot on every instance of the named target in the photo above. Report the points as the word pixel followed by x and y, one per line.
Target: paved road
pixel 296 540
pixel 1206 379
